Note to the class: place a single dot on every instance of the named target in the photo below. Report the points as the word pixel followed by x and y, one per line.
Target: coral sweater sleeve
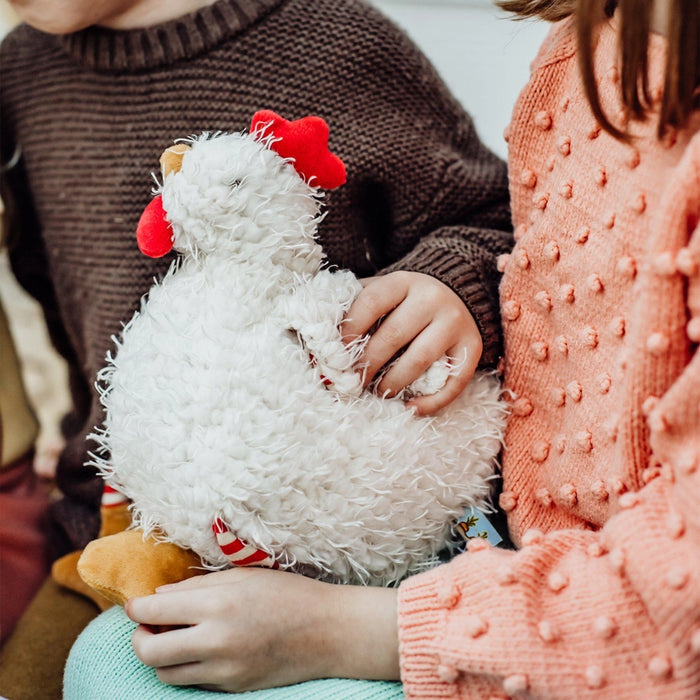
pixel 581 611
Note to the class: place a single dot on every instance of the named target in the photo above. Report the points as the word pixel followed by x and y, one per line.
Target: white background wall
pixel 481 52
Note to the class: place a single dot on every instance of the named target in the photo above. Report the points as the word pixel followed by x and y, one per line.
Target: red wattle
pixel 154 234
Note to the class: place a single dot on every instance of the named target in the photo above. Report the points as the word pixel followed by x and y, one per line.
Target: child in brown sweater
pixel 92 109
pixel 91 94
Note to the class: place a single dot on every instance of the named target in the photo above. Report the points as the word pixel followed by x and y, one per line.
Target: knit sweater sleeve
pixel 571 615
pixel 462 231
pixel 22 235
pixel 577 613
pixel 431 197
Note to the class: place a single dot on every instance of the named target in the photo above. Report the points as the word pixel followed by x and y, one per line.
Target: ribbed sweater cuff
pixel 421 622
pixel 467 282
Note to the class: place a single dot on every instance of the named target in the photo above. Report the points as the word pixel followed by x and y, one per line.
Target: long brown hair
pixel 682 79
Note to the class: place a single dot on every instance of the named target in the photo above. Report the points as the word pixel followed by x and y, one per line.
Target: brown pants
pixel 32 660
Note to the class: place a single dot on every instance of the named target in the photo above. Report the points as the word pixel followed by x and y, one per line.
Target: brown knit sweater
pixel 92 112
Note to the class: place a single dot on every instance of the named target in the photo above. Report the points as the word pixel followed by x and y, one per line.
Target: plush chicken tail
pixel 126 564
pixel 122 563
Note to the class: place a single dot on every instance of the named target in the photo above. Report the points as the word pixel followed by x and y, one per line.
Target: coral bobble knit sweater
pixel 600 301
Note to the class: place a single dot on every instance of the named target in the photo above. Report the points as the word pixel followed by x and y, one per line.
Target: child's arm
pixel 462 229
pixel 574 613
pixel 29 261
pixel 577 613
pixel 429 198
pixel 259 628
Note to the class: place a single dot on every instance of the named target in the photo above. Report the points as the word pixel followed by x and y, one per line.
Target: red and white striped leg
pixel 238 552
pixel 112 498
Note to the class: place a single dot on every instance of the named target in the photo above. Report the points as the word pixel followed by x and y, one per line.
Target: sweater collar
pixel 110 50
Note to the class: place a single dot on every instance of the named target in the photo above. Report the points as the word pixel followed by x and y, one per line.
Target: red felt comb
pixel 305 142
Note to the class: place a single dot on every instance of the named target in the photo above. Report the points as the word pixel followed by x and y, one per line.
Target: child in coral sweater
pixel 601 305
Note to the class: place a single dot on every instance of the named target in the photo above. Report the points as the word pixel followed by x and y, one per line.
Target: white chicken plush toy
pixel 236 421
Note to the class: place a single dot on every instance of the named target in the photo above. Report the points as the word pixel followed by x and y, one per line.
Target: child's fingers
pixel 455 384
pixel 423 350
pixel 214 578
pixel 172 648
pixel 379 296
pixel 396 332
pixel 427 405
pixel 195 673
pixel 169 609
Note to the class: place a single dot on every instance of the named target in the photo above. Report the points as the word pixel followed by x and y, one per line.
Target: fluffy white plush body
pixel 215 410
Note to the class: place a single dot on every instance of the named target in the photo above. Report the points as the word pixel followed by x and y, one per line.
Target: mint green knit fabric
pixel 102 666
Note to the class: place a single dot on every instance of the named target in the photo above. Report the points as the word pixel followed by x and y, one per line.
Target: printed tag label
pixel 475 524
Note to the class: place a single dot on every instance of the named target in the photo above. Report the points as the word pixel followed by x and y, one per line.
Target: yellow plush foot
pixel 65 572
pixel 113 519
pixel 126 565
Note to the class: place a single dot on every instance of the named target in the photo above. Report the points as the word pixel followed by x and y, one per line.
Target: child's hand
pixel 422 315
pixel 251 628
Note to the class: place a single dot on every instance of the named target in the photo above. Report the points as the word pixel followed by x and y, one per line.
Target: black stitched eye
pixel 234 183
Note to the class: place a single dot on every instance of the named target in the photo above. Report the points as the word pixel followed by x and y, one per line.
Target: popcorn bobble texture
pixel 600 467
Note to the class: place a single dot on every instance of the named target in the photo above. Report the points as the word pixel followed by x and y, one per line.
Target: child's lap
pixel 102 666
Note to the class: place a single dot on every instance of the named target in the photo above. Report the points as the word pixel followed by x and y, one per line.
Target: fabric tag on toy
pixel 474 524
